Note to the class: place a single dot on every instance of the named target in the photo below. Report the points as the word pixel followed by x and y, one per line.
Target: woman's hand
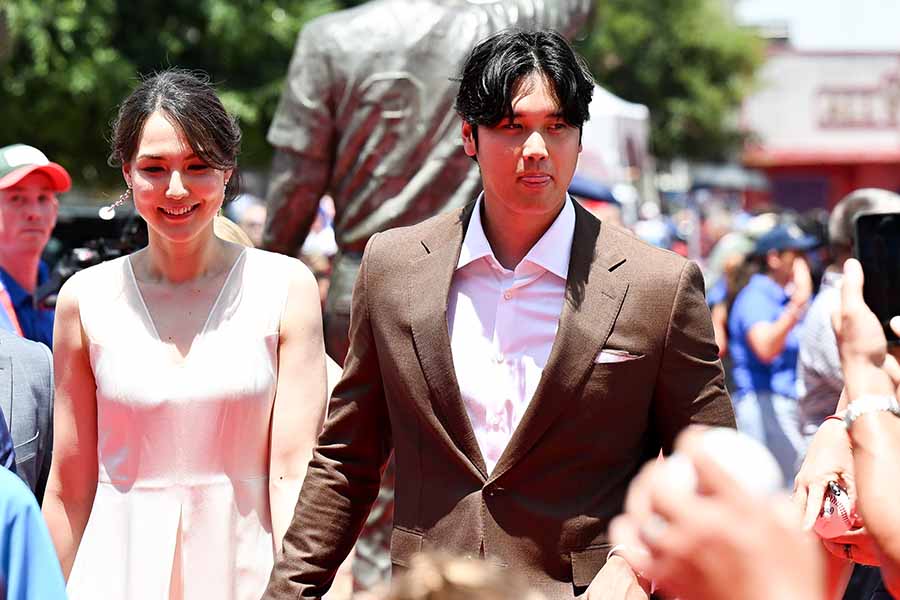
pixel 828 458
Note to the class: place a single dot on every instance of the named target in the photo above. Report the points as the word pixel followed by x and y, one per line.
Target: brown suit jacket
pixel 589 427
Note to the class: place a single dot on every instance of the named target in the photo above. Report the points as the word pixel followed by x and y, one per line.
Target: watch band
pixel 870 403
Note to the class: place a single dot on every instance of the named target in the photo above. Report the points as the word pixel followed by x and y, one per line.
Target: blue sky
pixel 830 24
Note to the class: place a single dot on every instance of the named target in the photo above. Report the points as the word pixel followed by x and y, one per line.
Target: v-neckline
pixel 182 359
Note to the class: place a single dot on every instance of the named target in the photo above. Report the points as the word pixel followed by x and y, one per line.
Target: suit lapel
pixel 428 291
pixel 594 296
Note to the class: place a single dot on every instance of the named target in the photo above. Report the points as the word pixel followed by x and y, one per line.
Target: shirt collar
pixel 551 252
pixel 17 293
pixel 769 287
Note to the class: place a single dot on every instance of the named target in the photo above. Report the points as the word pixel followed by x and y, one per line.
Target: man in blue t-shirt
pixel 29 569
pixel 29 183
pixel 763 329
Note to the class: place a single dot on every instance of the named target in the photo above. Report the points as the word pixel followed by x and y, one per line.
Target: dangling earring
pixel 107 213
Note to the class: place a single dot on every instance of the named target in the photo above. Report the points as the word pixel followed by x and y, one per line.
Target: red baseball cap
pixel 18 161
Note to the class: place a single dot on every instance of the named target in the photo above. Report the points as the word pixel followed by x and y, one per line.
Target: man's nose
pixel 535 147
pixel 32 210
pixel 176 187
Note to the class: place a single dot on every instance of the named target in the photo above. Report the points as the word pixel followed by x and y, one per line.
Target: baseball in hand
pixel 741 456
pixel 837 516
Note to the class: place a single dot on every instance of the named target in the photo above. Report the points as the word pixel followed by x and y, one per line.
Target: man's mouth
pixel 535 179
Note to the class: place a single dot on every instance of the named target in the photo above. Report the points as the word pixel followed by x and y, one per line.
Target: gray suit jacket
pixel 26 398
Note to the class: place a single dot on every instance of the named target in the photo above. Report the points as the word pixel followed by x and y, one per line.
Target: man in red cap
pixel 29 183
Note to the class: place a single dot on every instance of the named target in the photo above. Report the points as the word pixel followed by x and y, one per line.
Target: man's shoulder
pixel 640 258
pixel 399 241
pixel 12 345
pixel 371 21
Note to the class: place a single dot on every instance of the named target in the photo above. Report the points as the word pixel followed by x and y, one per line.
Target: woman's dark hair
pixel 189 101
pixel 497 66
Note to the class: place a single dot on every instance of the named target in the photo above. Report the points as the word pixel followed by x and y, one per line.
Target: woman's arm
pixel 300 400
pixel 73 472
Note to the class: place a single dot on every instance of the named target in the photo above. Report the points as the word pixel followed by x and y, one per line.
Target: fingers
pixel 848 482
pixel 895 325
pixel 815 496
pixel 852 286
pixel 623 531
pixel 673 490
pixel 892 368
pixel 799 498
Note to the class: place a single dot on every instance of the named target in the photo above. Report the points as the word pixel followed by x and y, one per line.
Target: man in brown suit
pixel 521 359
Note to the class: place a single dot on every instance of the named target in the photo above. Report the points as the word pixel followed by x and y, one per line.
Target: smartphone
pixel 877 246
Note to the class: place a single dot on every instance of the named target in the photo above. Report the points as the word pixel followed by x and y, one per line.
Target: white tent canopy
pixel 615 140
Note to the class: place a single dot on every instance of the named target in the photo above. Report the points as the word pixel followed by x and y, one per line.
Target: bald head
pixel 866 200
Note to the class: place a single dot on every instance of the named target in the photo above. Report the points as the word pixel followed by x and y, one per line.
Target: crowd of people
pixel 524 393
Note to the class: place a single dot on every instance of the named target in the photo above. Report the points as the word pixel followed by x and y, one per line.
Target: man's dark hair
pixel 496 67
pixel 189 101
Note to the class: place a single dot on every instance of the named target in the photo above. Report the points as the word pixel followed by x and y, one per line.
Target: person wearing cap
pixel 29 183
pixel 597 198
pixel 763 328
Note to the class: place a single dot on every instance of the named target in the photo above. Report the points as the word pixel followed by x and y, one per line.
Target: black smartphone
pixel 877 246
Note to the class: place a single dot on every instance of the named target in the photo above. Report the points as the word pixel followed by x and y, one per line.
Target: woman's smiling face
pixel 175 191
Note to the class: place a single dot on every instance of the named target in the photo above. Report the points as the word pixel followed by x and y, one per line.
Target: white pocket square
pixel 615 356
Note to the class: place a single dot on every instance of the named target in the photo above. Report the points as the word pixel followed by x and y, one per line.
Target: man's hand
pixel 802 280
pixel 617 581
pixel 857 545
pixel 829 458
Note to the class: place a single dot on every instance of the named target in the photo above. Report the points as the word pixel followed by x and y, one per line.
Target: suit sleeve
pixel 690 385
pixel 303 133
pixel 343 478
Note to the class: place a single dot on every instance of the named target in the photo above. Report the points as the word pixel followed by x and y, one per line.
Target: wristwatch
pixel 870 403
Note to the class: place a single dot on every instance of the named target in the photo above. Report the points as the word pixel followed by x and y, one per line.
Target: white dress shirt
pixel 502 326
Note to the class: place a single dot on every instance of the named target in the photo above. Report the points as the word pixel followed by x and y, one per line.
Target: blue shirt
pixel 29 569
pixel 761 301
pixel 718 293
pixel 36 323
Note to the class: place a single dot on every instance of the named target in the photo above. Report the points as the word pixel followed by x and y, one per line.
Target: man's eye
pixel 511 126
pixel 558 126
pixel 151 169
pixel 16 199
pixel 200 167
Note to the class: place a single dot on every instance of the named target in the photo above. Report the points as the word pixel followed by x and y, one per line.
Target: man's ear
pixel 468 137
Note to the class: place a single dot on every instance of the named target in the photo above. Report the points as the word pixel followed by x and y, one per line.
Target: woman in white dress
pixel 190 377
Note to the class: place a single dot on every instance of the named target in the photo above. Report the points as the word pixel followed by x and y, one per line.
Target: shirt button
pixel 507 294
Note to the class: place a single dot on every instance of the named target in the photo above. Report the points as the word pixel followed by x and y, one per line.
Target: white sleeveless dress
pixel 182 503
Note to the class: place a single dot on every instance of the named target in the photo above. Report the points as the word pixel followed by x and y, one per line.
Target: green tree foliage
pixel 686 61
pixel 65 65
